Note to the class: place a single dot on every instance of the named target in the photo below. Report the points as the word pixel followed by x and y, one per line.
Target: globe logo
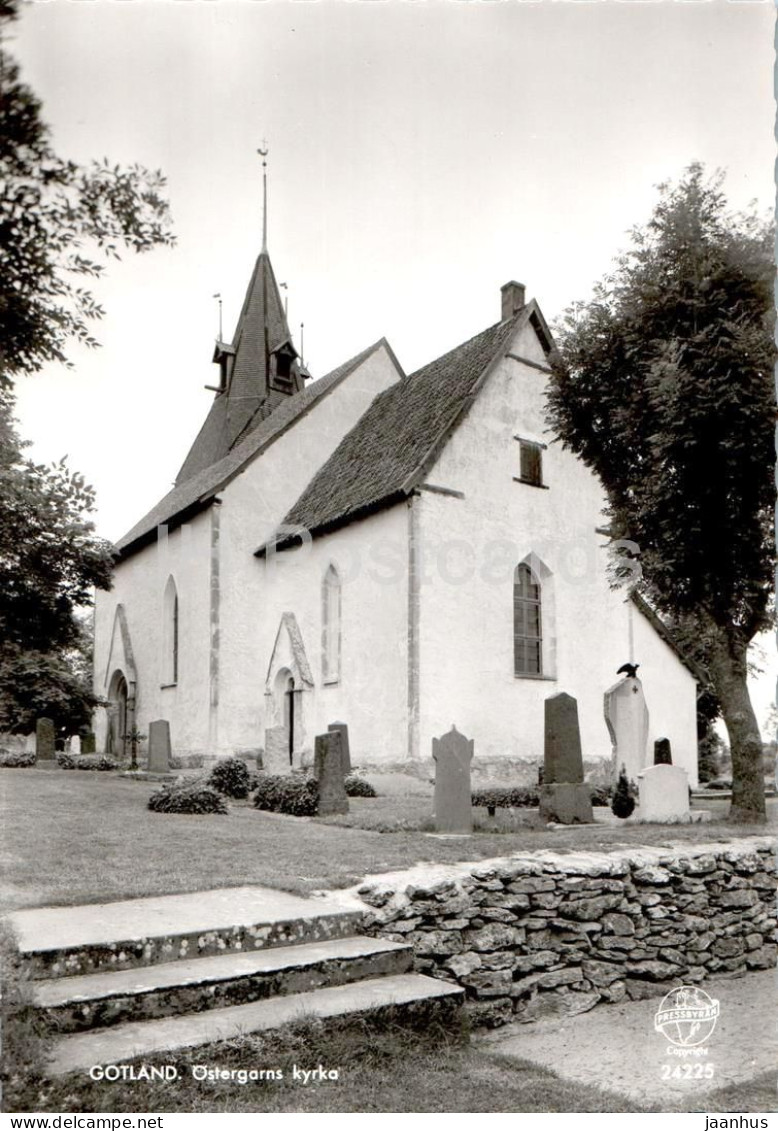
pixel 686 1016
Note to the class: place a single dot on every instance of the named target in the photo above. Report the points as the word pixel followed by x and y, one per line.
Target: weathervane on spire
pixel 263 152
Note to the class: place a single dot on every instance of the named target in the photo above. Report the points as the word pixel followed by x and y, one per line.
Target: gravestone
pixel 45 740
pixel 88 745
pixel 663 755
pixel 328 769
pixel 564 797
pixel 346 750
pixel 453 754
pixel 276 759
pixel 664 793
pixel 626 715
pixel 159 746
pixel 73 744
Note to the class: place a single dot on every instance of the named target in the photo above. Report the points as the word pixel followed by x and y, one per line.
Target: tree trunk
pixel 729 677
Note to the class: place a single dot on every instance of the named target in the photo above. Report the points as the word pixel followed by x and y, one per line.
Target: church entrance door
pixel 289 713
pixel 117 717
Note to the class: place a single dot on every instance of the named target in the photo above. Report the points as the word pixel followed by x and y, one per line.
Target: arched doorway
pixel 116 739
pixel 289 715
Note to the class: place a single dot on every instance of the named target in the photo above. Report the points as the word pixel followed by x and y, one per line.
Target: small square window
pixel 531 456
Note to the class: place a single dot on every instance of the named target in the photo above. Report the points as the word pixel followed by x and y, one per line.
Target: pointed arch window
pixel 331 626
pixel 170 634
pixel 527 622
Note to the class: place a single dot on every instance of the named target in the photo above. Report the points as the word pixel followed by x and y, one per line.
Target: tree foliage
pixel 59 223
pixel 50 560
pixel 666 391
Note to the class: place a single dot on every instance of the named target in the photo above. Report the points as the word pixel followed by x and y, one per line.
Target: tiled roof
pixel 200 488
pixel 249 398
pixel 390 449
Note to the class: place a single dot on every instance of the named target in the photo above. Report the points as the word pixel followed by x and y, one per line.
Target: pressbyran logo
pixel 687 1016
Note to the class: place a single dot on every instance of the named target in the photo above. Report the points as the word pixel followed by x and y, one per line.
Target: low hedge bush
pixel 98 762
pixel 295 795
pixel 17 758
pixel 505 797
pixel 66 761
pixel 358 787
pixel 192 795
pixel 232 777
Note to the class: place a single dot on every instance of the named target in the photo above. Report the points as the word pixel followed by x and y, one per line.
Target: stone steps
pixel 192 985
pixel 64 941
pixel 139 977
pixel 410 997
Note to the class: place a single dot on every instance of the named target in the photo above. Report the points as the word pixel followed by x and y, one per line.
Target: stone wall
pixel 551 933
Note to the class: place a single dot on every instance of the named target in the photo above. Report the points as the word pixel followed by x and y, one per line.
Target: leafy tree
pixel 54 216
pixel 59 224
pixel 50 560
pixel 665 389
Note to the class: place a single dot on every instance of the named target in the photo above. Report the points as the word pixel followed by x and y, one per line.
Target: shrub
pixel 623 802
pixel 601 795
pixel 66 761
pixel 358 787
pixel 504 797
pixel 296 796
pixel 721 783
pixel 94 762
pixel 25 1032
pixel 187 795
pixel 17 758
pixel 231 776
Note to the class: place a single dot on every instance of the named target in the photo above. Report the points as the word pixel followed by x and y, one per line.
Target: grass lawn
pixel 389 1070
pixel 76 837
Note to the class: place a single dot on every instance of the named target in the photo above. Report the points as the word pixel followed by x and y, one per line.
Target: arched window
pixel 170 634
pixel 527 623
pixel 331 626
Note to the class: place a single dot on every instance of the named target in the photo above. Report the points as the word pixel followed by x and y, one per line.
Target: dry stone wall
pixel 548 933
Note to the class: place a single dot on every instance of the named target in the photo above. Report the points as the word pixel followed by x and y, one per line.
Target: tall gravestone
pixel 664 794
pixel 159 746
pixel 45 740
pixel 345 748
pixel 626 715
pixel 663 755
pixel 564 797
pixel 88 744
pixel 453 754
pixel 328 768
pixel 276 757
pixel 75 744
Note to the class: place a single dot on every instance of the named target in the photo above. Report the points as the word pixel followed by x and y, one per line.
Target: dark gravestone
pixel 345 749
pixel 45 740
pixel 453 754
pixel 159 746
pixel 88 745
pixel 663 755
pixel 329 772
pixel 564 798
pixel 562 761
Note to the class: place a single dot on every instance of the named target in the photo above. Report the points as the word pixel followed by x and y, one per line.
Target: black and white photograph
pixel 387 560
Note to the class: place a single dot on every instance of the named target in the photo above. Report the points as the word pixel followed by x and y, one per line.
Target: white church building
pixel 397 552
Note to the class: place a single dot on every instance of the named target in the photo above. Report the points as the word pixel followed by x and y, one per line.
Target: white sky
pixel 423 152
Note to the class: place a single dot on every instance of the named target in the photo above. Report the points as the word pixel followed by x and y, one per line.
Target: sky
pixel 422 153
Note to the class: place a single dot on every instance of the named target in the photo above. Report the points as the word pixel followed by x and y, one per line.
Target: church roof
pixel 247 399
pixel 391 448
pixel 197 491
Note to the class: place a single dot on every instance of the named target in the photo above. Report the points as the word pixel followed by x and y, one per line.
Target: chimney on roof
pixel 512 299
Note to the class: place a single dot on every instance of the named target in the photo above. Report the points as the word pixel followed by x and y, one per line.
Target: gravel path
pixel 616 1047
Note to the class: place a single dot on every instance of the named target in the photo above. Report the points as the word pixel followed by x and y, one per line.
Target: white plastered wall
pixel 139 586
pixel 471 546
